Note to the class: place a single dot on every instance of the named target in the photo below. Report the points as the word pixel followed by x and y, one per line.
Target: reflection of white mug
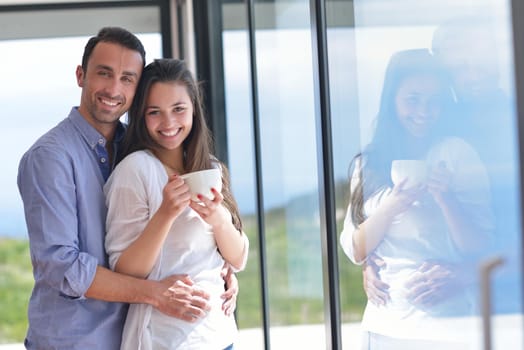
pixel 415 171
pixel 201 182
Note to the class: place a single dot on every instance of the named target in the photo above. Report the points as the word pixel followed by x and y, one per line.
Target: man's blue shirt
pixel 61 179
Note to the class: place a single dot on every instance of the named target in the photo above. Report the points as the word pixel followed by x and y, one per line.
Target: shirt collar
pixel 90 134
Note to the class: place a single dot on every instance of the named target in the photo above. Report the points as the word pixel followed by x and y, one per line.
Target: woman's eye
pixel 152 113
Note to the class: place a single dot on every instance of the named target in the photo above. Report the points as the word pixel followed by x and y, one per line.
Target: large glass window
pixel 425 168
pixel 242 168
pixel 425 152
pixel 288 166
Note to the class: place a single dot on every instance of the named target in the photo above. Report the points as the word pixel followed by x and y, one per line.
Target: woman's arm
pixel 232 244
pixel 138 257
pixel 371 231
pixel 368 235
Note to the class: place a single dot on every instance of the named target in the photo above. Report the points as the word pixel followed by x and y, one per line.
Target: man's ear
pixel 79 76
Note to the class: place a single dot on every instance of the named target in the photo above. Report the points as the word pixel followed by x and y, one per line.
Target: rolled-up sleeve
pixel 46 183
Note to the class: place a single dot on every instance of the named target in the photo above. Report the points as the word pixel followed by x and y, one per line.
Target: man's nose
pixel 113 87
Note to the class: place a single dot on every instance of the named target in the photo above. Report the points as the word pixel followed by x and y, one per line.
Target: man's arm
pixel 174 296
pixel 48 190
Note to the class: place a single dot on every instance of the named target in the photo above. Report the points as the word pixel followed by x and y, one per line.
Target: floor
pixel 507 334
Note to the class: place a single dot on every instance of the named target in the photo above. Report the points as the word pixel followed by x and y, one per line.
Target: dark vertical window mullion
pixel 325 173
pixel 208 28
pixel 180 29
pixel 518 47
pixel 165 28
pixel 258 172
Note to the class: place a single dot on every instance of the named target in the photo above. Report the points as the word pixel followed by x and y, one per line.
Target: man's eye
pixel 103 73
pixel 127 80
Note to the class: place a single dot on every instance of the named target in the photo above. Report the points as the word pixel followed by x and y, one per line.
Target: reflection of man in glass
pixel 416 228
pixel 472 50
pixel 484 119
pixel 469 50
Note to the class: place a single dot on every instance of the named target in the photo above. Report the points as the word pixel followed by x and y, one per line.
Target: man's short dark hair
pixel 114 35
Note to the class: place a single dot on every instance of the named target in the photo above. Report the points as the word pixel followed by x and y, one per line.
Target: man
pixel 77 302
pixel 474 51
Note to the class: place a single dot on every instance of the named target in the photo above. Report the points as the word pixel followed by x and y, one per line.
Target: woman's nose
pixel 167 119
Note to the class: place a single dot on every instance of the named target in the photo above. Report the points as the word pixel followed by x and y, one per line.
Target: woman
pixel 154 229
pixel 416 230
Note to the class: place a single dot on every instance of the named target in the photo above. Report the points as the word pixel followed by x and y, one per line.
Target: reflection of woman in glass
pixel 414 229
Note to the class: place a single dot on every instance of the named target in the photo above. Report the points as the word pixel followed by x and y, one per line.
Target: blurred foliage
pixel 16 281
pixel 285 306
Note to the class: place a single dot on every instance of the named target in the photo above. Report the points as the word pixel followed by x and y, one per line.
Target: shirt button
pixel 101 141
pixel 102 160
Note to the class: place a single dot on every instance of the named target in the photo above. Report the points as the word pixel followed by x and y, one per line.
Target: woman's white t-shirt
pixel 420 235
pixel 133 195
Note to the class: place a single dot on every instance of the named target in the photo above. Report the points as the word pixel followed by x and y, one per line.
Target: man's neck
pixel 107 129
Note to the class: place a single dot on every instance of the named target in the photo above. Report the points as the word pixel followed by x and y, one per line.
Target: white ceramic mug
pixel 201 182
